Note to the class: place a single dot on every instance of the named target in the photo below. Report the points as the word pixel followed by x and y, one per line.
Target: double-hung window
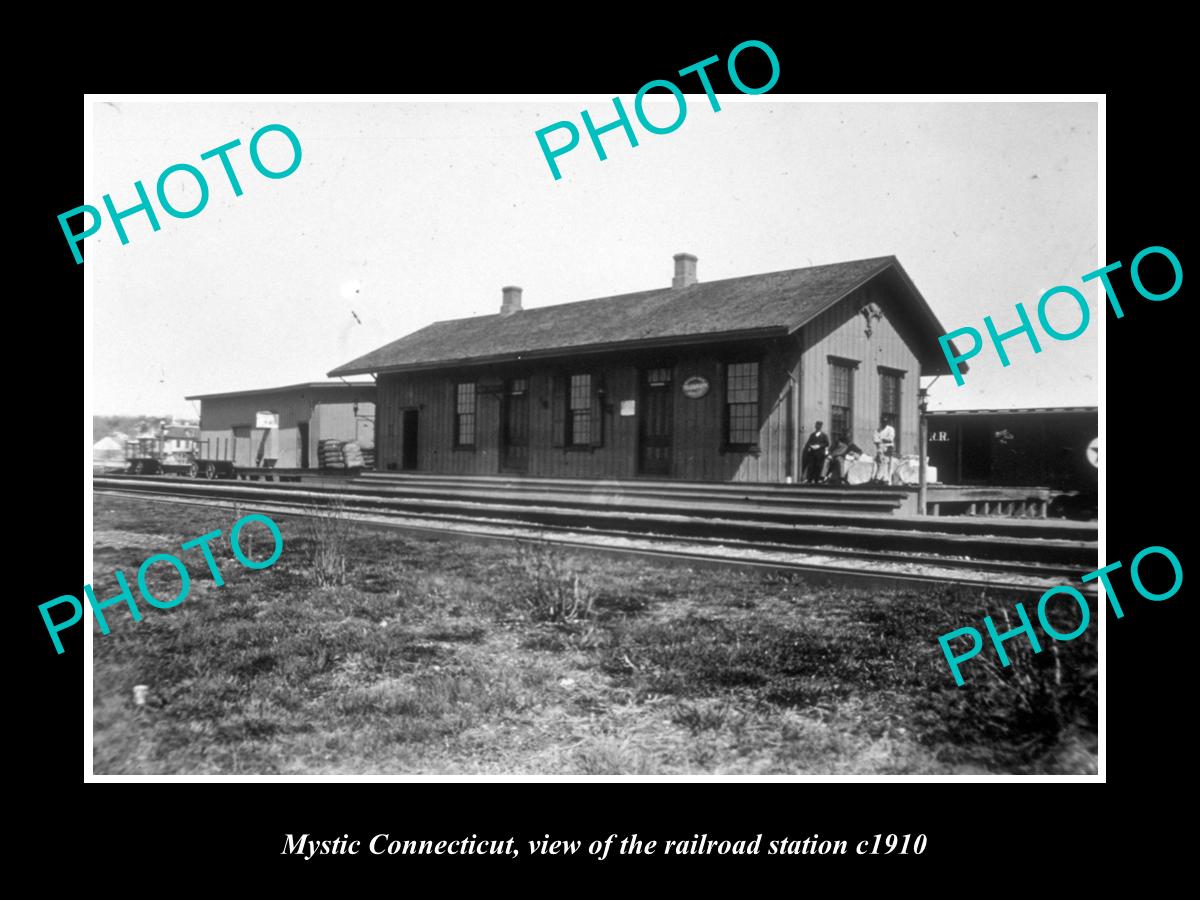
pixel 579 411
pixel 841 400
pixel 741 405
pixel 889 400
pixel 464 414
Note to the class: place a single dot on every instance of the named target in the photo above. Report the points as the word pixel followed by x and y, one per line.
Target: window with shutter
pixel 597 410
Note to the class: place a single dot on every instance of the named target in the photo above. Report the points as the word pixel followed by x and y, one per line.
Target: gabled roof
pixel 303 386
pixel 772 304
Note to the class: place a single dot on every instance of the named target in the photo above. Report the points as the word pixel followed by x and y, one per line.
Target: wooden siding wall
pixel 220 415
pixel 698 425
pixel 841 331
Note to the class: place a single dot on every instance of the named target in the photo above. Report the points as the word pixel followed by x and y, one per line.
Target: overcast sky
pixel 402 214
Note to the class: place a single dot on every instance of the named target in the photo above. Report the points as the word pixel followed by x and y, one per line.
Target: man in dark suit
pixel 814 454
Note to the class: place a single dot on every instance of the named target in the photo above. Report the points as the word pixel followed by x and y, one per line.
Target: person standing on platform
pixel 815 450
pixel 885 449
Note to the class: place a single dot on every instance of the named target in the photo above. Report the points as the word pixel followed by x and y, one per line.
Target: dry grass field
pixel 364 651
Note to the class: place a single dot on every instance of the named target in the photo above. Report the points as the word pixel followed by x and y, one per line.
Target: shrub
pixel 1013 716
pixel 698 718
pixel 327 531
pixel 550 588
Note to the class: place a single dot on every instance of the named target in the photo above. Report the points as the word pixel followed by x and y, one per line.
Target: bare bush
pixel 698 718
pixel 1028 707
pixel 550 588
pixel 327 530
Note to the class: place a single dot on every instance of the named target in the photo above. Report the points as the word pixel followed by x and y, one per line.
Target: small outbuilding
pixel 283 427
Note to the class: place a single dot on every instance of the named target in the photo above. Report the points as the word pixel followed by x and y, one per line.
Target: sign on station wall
pixel 695 387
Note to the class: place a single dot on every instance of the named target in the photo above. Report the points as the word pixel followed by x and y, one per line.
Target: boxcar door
pixel 975 453
pixel 514 427
pixel 654 423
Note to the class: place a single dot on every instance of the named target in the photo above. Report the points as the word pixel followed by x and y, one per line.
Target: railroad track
pixel 587 530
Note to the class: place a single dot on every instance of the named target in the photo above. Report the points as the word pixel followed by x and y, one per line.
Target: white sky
pixel 407 213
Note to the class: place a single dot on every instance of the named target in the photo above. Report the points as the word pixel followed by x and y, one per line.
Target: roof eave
pixel 558 352
pixel 303 386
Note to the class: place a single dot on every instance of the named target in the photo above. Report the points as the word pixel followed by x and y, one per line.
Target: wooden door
pixel 259 449
pixel 409 445
pixel 655 423
pixel 242 450
pixel 514 427
pixel 302 440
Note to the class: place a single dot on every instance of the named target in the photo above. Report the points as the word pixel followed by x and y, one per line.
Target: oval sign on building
pixel 1093 452
pixel 695 387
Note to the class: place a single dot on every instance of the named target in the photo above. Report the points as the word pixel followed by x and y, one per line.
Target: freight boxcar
pixel 1048 447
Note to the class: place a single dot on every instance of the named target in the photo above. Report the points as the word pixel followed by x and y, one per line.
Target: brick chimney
pixel 685 270
pixel 512 301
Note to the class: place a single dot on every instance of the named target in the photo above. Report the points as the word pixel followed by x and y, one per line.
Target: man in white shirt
pixel 885 449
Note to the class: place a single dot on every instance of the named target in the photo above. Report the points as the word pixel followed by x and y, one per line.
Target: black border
pixel 214 833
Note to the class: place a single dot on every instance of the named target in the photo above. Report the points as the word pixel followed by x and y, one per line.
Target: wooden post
pixel 797 408
pixel 922 450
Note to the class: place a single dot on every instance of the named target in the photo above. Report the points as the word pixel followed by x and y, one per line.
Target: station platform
pixel 750 517
pixel 975 500
pixel 1009 510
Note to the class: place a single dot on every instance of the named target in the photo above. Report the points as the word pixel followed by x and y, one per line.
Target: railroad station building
pixel 282 427
pixel 698 381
